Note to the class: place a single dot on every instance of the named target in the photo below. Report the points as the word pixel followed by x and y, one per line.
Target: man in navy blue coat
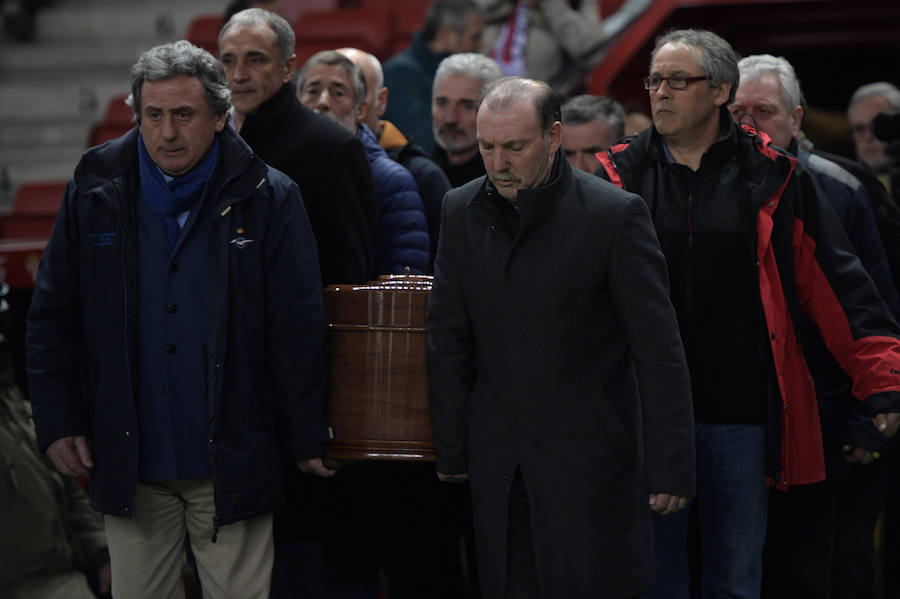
pixel 175 337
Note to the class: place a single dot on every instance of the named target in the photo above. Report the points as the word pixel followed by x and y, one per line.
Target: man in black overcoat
pixel 330 166
pixel 328 163
pixel 558 381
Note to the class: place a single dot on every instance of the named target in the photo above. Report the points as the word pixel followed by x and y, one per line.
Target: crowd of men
pixel 663 356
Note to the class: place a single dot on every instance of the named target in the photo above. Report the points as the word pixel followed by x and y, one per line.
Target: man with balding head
pixel 561 394
pixel 430 179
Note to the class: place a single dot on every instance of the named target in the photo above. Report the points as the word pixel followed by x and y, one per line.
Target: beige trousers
pixel 147 551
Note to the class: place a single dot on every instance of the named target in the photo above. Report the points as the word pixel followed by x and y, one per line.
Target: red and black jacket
pixel 805 264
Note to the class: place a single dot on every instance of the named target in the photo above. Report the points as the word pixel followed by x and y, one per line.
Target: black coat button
pixel 173 267
pixel 170 308
pixel 170 348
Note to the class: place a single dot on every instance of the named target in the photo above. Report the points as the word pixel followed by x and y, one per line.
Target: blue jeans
pixel 731 512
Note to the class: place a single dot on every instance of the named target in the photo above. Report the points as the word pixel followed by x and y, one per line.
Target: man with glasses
pixel 750 245
pixel 865 104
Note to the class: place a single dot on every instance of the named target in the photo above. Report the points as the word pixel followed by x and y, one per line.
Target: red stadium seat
pixel 40 198
pixel 409 17
pixel 33 211
pixel 368 29
pixel 105 131
pixel 118 112
pixel 203 31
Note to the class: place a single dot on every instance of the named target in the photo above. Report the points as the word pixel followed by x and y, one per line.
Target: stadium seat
pixel 409 16
pixel 203 31
pixel 40 198
pixel 33 211
pixel 102 132
pixel 368 29
pixel 118 112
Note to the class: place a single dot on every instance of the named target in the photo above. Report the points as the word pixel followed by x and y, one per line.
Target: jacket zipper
pixel 221 212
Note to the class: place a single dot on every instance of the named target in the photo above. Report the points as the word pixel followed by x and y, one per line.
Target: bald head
pixel 376 92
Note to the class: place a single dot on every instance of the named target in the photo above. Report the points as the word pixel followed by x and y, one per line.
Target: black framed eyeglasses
pixel 674 82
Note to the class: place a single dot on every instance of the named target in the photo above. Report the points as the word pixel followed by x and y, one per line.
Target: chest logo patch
pixel 240 242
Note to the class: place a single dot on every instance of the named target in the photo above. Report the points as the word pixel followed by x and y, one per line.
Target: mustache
pixel 505 177
pixel 451 129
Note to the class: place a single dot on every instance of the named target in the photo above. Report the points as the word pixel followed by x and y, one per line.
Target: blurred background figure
pixel 451 26
pixel 590 124
pixel 52 545
pixel 865 104
pixel 543 39
pixel 457 87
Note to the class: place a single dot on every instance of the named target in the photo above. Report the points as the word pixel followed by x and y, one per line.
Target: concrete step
pixel 160 20
pixel 47 132
pixel 53 89
pixel 51 164
pixel 69 60
pixel 33 101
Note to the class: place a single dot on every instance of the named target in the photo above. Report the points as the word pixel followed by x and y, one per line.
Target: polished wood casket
pixel 378 389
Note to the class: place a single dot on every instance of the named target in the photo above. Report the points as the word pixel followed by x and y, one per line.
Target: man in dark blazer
pixel 558 382
pixel 328 163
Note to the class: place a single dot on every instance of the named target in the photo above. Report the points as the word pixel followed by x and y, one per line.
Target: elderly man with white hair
pixel 833 519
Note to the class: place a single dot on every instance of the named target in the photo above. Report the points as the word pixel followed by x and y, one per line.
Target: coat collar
pixel 272 111
pixel 532 204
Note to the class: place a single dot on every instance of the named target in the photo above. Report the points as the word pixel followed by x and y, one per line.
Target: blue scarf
pixel 170 198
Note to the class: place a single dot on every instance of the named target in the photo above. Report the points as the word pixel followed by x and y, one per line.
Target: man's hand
pixel 887 423
pixel 453 478
pixel 71 456
pixel 859 455
pixel 318 467
pixel 663 503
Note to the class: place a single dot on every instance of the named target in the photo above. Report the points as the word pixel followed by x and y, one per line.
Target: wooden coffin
pixel 378 390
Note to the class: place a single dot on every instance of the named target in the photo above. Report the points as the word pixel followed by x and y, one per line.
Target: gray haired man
pixel 457 88
pixel 175 337
pixel 590 124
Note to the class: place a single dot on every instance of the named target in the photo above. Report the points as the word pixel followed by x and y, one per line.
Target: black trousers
pixel 521 569
pixel 819 540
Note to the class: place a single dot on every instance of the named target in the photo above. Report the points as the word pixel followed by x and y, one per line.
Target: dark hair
pixel 335 58
pixel 716 56
pixel 505 91
pixel 586 109
pixel 284 33
pixel 180 58
pixel 447 13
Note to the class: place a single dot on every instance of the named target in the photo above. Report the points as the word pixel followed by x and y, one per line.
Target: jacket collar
pixel 116 162
pixel 716 154
pixel 271 111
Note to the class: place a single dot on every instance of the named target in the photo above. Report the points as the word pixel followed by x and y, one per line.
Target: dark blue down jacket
pixel 402 229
